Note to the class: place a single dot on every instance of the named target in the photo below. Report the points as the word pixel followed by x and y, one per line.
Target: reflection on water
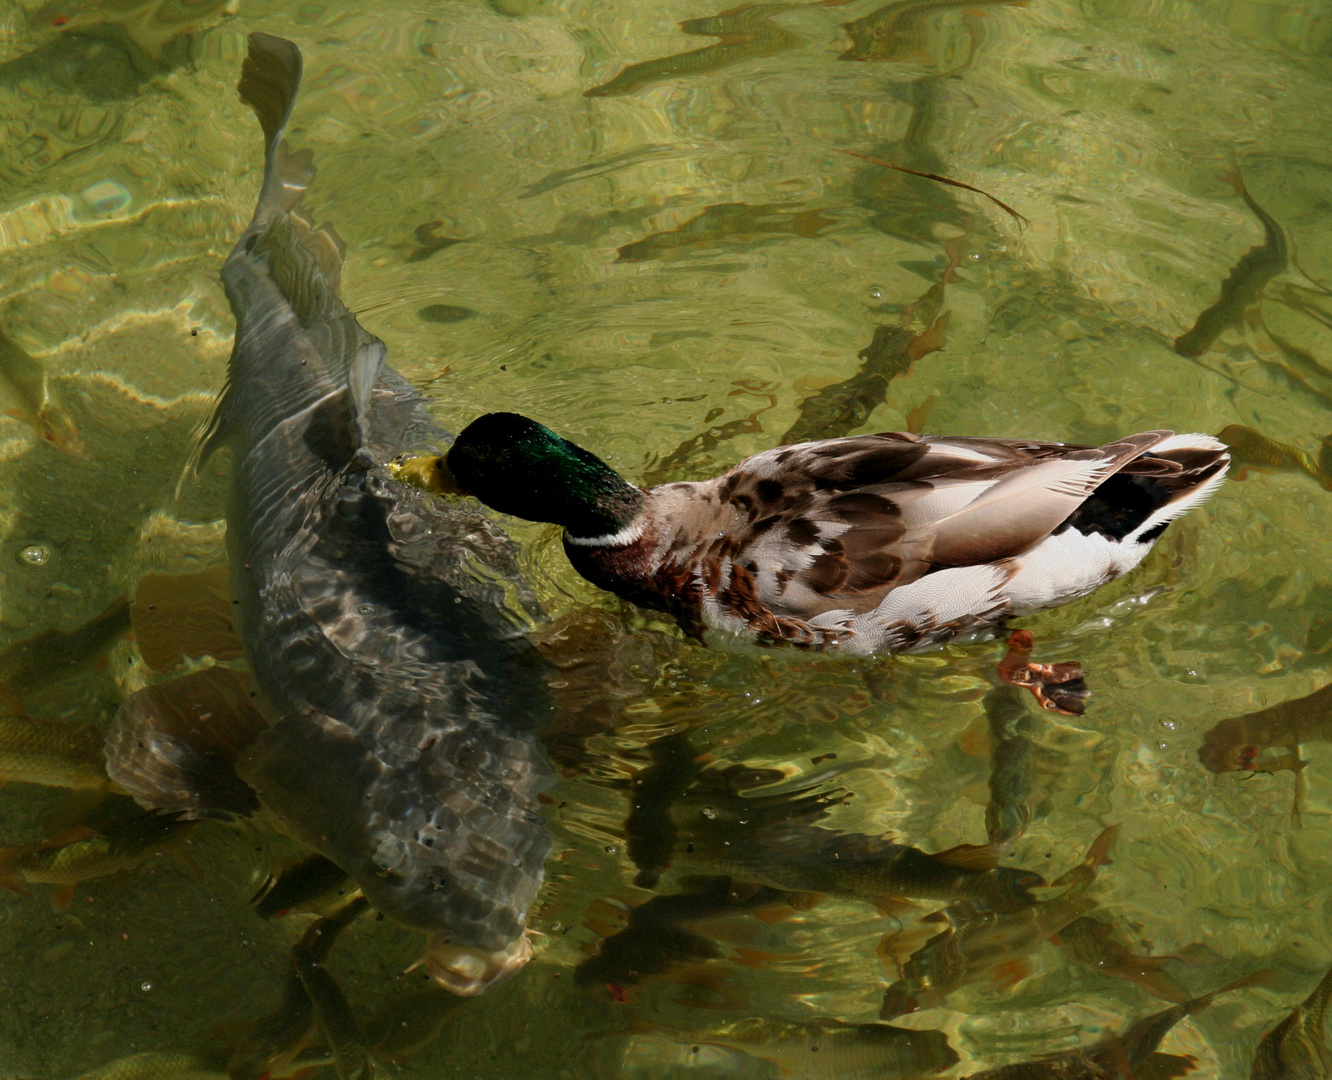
pixel 634 223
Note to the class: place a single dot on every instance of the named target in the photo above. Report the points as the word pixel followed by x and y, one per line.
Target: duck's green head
pixel 519 467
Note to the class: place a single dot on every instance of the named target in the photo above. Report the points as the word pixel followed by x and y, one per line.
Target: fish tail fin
pixel 303 260
pixel 1099 852
pixel 270 79
pixel 1256 978
pixel 9 875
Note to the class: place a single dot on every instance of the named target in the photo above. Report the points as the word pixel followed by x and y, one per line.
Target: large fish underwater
pixel 379 625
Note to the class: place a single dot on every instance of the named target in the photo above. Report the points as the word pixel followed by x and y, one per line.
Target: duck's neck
pixel 611 514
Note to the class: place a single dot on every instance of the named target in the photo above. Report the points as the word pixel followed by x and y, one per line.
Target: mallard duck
pixel 883 543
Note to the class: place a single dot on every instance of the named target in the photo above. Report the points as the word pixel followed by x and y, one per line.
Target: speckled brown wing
pixel 836 525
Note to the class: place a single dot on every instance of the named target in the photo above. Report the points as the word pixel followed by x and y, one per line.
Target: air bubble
pixel 876 293
pixel 365 609
pixel 710 813
pixel 35 554
pixel 611 849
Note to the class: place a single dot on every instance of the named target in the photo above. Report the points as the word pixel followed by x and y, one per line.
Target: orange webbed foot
pixel 1059 688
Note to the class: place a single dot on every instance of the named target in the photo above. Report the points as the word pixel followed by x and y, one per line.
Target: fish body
pixel 121 846
pixel 1243 285
pixel 726 222
pixel 341 1030
pixel 1296 1049
pixel 980 940
pixel 772 840
pixel 311 884
pixel 1247 742
pixel 1253 448
pixel 24 377
pixel 1093 942
pixel 53 654
pixel 745 31
pixel 894 31
pixel 377 623
pixel 53 753
pixel 1130 1055
pixel 157 1065
pixel 834 1049
pixel 1011 750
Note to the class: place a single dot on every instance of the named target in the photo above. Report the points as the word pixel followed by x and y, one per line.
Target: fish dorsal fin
pixel 968 857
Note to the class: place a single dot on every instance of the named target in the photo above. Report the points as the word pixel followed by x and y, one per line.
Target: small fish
pixel 983 941
pixel 274 1041
pixel 66 862
pixel 338 1024
pixel 596 168
pixel 158 1065
pixel 1242 287
pixel 1131 1055
pixel 658 937
pixel 838 410
pixel 1011 750
pixel 151 24
pixel 429 242
pixel 727 222
pixel 408 1024
pixel 55 654
pixel 444 313
pixel 1255 450
pixel 1296 1049
pixel 1246 742
pixel 772 840
pixel 1093 942
pixel 52 753
pixel 694 453
pixel 834 1049
pixel 312 884
pixel 649 831
pixel 746 32
pixel 896 31
pixel 25 380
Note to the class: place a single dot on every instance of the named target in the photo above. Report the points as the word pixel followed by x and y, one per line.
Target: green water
pixel 130 166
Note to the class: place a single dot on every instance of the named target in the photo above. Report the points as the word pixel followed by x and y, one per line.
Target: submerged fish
pixel 1255 450
pixel 378 623
pixel 310 884
pixel 980 941
pixel 158 1065
pixel 148 23
pixel 274 1041
pixel 120 846
pixel 25 379
pixel 734 222
pixel 54 753
pixel 1093 941
pixel 596 168
pixel 1245 282
pixel 838 410
pixel 1130 1055
pixel 834 1049
pixel 55 654
pixel 659 937
pixel 772 840
pixel 746 32
pixel 1011 750
pixel 1296 1049
pixel 337 1023
pixel 649 830
pixel 895 31
pixel 1247 742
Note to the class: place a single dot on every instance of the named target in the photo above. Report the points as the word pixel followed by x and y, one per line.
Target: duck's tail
pixel 1202 462
pixel 1157 476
